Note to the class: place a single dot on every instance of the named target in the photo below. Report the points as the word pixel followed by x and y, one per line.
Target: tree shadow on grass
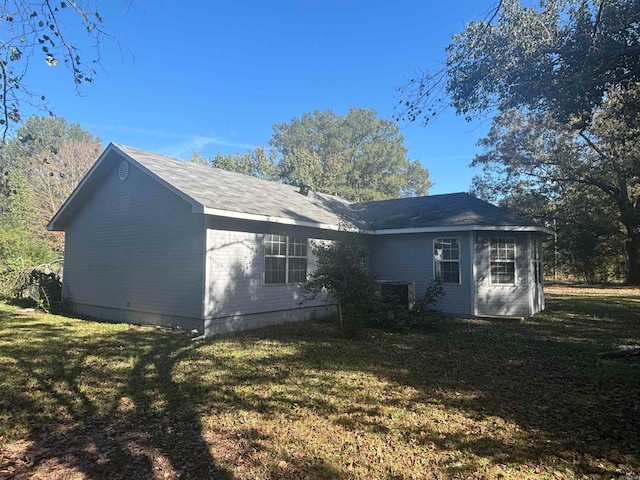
pixel 132 403
pixel 557 402
pixel 104 404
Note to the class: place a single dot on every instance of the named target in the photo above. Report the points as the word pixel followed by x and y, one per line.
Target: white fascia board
pixel 462 228
pixel 266 218
pixel 71 198
pixel 325 226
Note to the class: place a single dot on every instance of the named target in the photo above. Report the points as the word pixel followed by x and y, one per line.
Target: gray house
pixel 156 240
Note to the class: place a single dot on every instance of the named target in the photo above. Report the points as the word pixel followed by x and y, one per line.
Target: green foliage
pixel 256 162
pixel 588 245
pixel 42 164
pixel 356 156
pixel 564 80
pixel 590 242
pixel 536 154
pixel 342 273
pixel 43 286
pixel 390 315
pixel 433 293
pixel 561 58
pixel 18 251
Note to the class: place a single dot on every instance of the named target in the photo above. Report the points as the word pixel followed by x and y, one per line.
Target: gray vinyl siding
pixel 235 270
pixel 136 246
pixel 409 258
pixel 509 299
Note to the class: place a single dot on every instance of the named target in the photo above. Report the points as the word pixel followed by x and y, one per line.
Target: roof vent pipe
pixel 304 189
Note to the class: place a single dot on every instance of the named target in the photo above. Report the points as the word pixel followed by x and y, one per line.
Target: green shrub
pixel 43 286
pixel 342 273
pixel 19 251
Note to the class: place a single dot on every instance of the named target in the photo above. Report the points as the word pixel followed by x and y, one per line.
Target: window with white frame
pixel 537 262
pixel 503 260
pixel 285 259
pixel 446 256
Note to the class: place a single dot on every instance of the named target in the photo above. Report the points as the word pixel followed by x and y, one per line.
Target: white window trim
pixel 514 261
pixel 433 254
pixel 538 264
pixel 286 256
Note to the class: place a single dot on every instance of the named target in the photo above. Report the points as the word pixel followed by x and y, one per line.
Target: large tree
pixel 45 161
pixel 357 156
pixel 563 80
pixel 530 151
pixel 257 162
pixel 563 58
pixel 588 244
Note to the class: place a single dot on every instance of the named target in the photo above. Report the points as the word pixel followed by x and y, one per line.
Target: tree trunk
pixel 633 256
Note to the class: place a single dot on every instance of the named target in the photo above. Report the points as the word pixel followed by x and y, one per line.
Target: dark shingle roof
pixel 214 188
pixel 220 192
pixel 450 210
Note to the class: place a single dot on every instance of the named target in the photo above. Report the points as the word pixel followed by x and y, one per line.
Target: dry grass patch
pixel 463 399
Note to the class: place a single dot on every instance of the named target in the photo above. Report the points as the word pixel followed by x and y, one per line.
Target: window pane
pixel 448 272
pixel 446 252
pixel 446 249
pixel 297 270
pixel 503 272
pixel 285 259
pixel 503 249
pixel 275 270
pixel 275 244
pixel 298 246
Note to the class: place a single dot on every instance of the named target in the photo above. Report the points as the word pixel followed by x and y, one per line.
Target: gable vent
pixel 123 170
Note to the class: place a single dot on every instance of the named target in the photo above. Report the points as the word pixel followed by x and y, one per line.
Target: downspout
pixel 530 275
pixel 205 273
pixel 473 283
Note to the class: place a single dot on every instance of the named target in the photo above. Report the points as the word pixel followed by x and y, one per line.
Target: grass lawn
pixel 463 399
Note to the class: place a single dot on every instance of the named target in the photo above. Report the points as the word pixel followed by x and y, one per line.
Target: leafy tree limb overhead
pixel 47 31
pixel 563 58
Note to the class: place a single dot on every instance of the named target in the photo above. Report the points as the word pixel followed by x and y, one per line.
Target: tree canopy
pixel 562 81
pixel 357 156
pixel 535 152
pixel 563 58
pixel 257 162
pixel 44 162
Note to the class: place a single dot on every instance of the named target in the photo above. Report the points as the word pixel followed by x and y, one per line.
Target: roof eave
pixel 464 228
pixel 281 220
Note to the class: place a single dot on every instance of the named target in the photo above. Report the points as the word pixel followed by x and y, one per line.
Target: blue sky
pixel 215 76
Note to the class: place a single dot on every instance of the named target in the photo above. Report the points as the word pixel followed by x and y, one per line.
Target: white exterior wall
pixel 236 297
pixel 409 258
pixel 135 253
pixel 496 299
